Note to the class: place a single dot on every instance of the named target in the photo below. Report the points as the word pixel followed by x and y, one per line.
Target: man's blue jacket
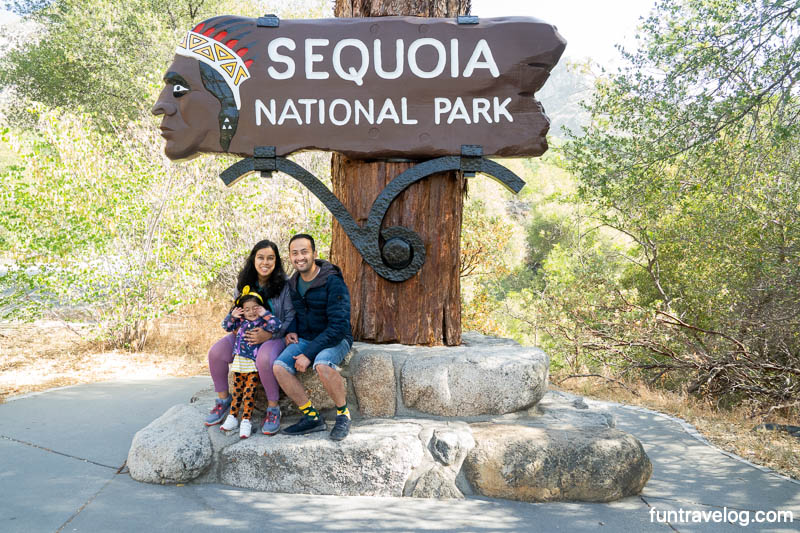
pixel 322 316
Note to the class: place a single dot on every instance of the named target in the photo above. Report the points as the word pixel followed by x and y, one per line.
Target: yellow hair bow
pixel 247 292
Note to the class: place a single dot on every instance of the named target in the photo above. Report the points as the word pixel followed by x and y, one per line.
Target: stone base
pixel 557 450
pixel 483 376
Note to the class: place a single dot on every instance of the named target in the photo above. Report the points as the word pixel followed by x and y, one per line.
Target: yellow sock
pixel 309 410
pixel 343 410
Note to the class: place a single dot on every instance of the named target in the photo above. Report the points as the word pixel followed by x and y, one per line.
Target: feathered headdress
pixel 215 42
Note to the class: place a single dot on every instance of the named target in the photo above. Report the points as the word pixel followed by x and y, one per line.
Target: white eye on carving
pixel 179 90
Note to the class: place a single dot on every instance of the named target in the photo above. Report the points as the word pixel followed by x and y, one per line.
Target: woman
pixel 262 271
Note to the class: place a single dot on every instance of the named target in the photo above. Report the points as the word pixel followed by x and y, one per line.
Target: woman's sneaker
pixel 230 424
pixel 245 429
pixel 272 422
pixel 221 408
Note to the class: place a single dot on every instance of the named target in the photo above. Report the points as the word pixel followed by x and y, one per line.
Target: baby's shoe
pixel 245 429
pixel 230 424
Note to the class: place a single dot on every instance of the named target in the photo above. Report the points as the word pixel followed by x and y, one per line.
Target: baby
pixel 248 313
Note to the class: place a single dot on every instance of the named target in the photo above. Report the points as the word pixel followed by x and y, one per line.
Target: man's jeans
pixel 329 356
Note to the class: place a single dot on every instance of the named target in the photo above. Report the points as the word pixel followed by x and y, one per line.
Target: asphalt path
pixel 62 468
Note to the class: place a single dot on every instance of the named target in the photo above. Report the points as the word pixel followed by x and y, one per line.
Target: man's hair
pixel 304 236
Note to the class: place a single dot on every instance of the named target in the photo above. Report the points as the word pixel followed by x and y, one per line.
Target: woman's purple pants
pixel 220 356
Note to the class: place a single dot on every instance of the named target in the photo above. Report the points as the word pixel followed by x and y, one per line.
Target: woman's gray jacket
pixel 283 310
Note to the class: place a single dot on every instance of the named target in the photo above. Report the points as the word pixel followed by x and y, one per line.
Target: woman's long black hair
pixel 249 276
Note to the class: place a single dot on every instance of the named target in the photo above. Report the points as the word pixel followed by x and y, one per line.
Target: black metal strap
pixel 268 21
pixel 395 253
pixel 471 157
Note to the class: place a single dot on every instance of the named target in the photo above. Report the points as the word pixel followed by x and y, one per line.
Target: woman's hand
pixel 257 336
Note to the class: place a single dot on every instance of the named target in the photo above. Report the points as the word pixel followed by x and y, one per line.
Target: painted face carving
pixel 188 112
pixel 212 64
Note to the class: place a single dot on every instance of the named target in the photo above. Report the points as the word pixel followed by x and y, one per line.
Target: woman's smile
pixel 264 262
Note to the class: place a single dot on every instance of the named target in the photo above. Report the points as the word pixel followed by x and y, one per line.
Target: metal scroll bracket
pixel 396 253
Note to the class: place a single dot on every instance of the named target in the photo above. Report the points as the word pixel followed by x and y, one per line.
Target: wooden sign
pixel 402 87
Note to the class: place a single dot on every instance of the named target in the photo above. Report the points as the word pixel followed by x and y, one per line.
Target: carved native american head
pixel 211 63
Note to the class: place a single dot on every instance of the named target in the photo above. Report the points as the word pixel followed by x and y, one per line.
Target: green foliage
pixel 485 247
pixel 84 213
pixel 545 231
pixel 104 57
pixel 108 227
pixel 693 154
pixel 677 257
pixel 95 222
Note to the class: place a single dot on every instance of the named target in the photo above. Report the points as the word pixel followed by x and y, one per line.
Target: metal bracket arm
pixel 396 253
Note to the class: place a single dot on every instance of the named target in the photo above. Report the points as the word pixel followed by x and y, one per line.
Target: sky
pixel 591 27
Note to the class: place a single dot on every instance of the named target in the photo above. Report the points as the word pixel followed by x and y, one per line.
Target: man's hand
pixel 291 338
pixel 301 362
pixel 237 312
pixel 257 336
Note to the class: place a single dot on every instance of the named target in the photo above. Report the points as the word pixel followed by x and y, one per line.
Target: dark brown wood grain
pixel 425 309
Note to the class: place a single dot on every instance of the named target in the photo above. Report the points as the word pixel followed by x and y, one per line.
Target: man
pixel 319 337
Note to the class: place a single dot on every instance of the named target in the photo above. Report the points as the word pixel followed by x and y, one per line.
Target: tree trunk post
pixel 425 309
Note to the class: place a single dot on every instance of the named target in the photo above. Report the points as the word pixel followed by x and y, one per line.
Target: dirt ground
pixel 48 354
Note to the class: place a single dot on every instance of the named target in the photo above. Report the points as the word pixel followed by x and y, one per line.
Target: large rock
pixel 535 464
pixel 560 410
pixel 484 375
pixel 378 458
pixel 173 448
pixel 448 447
pixel 520 444
pixel 470 381
pixel 373 461
pixel 557 450
pixel 373 377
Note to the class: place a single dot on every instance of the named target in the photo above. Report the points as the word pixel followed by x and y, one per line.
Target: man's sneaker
pixel 230 424
pixel 272 423
pixel 306 425
pixel 221 408
pixel 341 428
pixel 245 429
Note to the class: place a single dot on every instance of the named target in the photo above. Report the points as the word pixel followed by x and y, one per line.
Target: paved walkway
pixel 62 455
